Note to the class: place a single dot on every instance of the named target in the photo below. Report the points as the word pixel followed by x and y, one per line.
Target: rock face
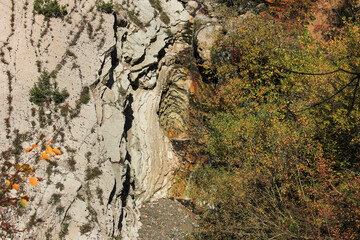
pixel 128 77
pixel 206 29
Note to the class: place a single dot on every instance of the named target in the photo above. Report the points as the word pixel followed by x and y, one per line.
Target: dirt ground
pixel 166 219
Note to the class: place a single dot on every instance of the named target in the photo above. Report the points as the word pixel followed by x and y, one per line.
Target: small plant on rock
pixel 105 7
pixel 64 230
pixel 45 92
pixel 49 8
pixel 92 173
pixel 85 228
pixel 85 95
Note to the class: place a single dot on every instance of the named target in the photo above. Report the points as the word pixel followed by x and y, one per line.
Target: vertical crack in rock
pixel 124 194
pixel 114 64
pixel 135 73
pixel 162 53
pixel 112 194
pixel 129 114
pixel 113 56
pixel 115 26
pixel 127 184
pixel 106 54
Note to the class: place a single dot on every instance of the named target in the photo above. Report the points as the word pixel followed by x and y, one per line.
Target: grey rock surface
pixel 116 146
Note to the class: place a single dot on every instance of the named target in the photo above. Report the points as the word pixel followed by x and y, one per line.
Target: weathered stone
pixel 116 150
pixel 193 4
pixel 206 30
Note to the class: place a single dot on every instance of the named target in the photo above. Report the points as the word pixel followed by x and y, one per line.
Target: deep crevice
pixel 128 112
pixel 162 52
pixel 114 64
pixel 140 60
pixel 112 194
pixel 113 56
pixel 150 68
pixel 127 184
pixel 115 26
pixel 125 191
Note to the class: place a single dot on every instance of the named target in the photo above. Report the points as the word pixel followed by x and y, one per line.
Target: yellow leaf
pixel 23 202
pixel 34 146
pixel 49 150
pixel 56 151
pixel 33 181
pixel 15 186
pixel 7 183
pixel 45 156
pixel 28 150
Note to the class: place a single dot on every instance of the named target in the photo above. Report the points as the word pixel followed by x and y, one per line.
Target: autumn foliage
pixel 281 134
pixel 20 173
pixel 290 9
pixel 17 175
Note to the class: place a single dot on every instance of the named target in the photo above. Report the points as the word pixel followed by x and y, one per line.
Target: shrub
pixel 64 230
pixel 59 97
pixel 55 198
pixel 41 91
pixel 291 9
pixel 164 18
pixel 44 92
pixel 71 162
pixel 92 173
pixel 59 186
pixel 60 209
pixel 14 175
pixel 168 32
pixel 85 228
pixel 105 7
pixel 49 8
pixel 282 147
pixel 85 95
pixel 99 193
pixel 231 3
pixel 163 15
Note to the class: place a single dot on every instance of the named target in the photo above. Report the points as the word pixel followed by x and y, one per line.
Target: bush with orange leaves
pixel 300 10
pixel 282 134
pixel 15 176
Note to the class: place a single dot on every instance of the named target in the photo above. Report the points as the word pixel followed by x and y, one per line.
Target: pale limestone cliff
pixel 116 148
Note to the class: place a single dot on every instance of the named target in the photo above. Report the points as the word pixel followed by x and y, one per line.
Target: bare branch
pixel 317 74
pixel 357 77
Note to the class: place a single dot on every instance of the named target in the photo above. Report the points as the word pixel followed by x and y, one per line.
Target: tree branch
pixel 317 74
pixel 354 96
pixel 357 77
